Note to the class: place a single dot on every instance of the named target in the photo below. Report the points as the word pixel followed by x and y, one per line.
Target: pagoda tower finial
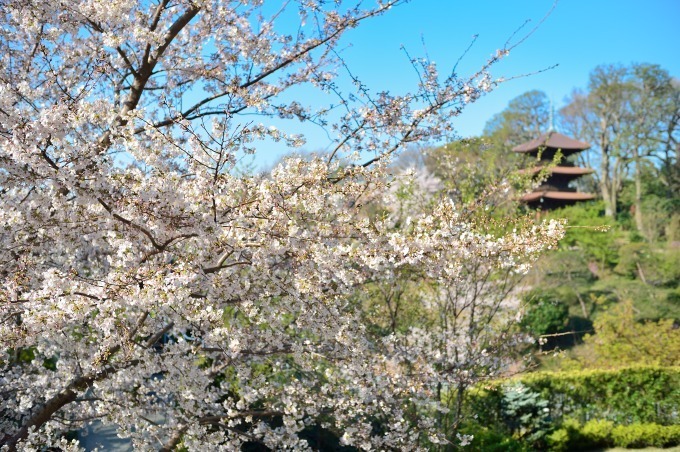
pixel 551 128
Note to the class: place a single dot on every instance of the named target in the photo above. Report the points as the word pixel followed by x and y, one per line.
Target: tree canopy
pixel 148 285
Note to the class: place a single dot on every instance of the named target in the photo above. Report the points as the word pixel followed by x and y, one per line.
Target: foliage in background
pixel 470 168
pixel 544 313
pixel 594 234
pixel 526 117
pixel 611 289
pixel 633 394
pixel 629 115
pixel 525 413
pixel 619 340
pixel 623 407
pixel 597 434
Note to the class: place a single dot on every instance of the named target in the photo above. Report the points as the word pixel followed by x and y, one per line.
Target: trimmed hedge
pixel 601 433
pixel 642 395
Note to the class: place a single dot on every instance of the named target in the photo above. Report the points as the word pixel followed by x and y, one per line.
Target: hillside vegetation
pixel 604 307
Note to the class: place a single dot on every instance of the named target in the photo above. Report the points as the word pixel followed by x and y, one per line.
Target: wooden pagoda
pixel 554 192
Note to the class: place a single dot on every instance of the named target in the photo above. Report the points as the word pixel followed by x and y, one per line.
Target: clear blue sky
pixel 577 36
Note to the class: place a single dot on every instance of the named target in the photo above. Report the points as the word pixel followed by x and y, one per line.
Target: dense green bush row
pixel 572 435
pixel 602 433
pixel 624 396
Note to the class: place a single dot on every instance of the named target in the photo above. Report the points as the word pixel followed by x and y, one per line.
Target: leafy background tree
pixel 629 115
pixel 526 117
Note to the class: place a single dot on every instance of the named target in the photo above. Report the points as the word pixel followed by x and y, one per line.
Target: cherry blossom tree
pixel 148 285
pixel 457 327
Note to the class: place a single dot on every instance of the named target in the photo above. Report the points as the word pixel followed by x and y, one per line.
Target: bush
pixel 597 434
pixel 673 297
pixel 653 266
pixel 621 341
pixel 637 395
pixel 672 230
pixel 646 435
pixel 631 407
pixel 526 413
pixel 544 314
pixel 588 232
pixel 492 440
pixel 567 437
pixel 558 440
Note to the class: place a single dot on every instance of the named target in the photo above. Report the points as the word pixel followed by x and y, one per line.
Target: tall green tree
pixel 469 168
pixel 597 116
pixel 630 116
pixel 652 126
pixel 525 118
pixel 620 340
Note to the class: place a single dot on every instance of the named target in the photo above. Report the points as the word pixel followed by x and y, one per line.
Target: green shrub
pixel 620 340
pixel 558 440
pixel 660 267
pixel 566 437
pixel 632 257
pixel 492 440
pixel 588 232
pixel 672 229
pixel 638 394
pixel 526 413
pixel 669 266
pixel 646 435
pixel 598 434
pixel 544 314
pixel 646 398
pixel 673 297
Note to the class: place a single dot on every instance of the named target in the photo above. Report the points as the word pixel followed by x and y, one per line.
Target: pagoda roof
pixel 560 195
pixel 567 170
pixel 551 140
